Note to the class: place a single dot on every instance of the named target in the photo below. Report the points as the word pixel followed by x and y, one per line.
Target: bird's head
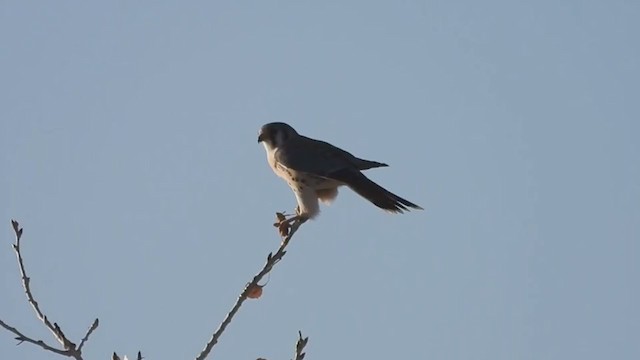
pixel 273 135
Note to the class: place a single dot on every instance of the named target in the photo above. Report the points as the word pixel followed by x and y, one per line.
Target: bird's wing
pixel 319 158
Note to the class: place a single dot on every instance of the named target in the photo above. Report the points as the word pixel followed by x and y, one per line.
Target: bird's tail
pixel 373 192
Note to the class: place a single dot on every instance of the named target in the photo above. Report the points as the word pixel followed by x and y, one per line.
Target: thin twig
pixel 272 259
pixel 57 334
pixel 70 349
pixel 24 338
pixel 93 327
pixel 300 344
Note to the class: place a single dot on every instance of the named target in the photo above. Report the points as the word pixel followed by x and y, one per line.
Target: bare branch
pixel 272 260
pixel 26 283
pixel 92 328
pixel 300 344
pixel 24 338
pixel 70 349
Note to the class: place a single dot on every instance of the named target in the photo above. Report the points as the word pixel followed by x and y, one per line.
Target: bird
pixel 315 169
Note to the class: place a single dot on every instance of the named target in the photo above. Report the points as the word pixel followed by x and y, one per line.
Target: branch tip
pixel 300 345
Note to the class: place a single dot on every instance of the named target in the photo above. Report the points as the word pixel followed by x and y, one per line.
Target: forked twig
pixel 70 349
pixel 272 260
pixel 24 338
pixel 26 283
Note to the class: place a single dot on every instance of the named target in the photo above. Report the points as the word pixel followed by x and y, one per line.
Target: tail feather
pixel 368 164
pixel 373 192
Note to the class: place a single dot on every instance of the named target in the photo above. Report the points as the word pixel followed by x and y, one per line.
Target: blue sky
pixel 128 153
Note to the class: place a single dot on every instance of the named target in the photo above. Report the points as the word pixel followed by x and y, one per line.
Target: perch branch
pixel 272 260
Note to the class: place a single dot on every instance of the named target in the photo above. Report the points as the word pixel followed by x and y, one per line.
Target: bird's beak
pixel 261 137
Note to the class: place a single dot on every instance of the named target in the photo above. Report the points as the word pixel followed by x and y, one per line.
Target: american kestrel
pixel 315 169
